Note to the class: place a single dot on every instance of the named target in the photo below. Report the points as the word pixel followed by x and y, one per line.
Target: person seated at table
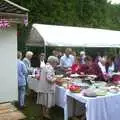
pixel 67 60
pixel 46 96
pixel 93 68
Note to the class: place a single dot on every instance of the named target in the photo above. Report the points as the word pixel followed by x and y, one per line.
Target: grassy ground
pixel 32 111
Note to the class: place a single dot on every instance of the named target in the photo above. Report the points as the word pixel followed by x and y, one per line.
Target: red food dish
pixel 75 88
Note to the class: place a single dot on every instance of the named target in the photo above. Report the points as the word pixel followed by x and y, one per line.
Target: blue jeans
pixel 21 95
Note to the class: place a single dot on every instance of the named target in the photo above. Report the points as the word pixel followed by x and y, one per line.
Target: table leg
pixel 74 107
pixel 66 109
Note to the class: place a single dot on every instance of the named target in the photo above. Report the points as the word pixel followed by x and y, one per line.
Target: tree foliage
pixel 85 13
pixel 90 13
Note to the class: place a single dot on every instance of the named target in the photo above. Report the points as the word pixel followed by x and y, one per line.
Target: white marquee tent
pixel 67 36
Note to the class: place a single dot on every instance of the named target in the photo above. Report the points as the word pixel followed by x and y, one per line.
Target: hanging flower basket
pixel 4 23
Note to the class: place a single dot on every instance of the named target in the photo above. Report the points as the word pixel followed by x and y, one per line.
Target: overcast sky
pixel 115 1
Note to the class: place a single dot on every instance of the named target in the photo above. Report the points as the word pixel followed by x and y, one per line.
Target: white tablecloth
pixel 98 108
pixel 33 84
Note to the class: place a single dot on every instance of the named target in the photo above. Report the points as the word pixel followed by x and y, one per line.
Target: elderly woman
pixel 27 61
pixel 46 96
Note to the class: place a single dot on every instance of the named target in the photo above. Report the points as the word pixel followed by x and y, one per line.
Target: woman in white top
pixel 42 60
pixel 102 64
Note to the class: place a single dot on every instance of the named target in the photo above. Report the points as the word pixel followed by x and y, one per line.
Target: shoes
pixel 21 107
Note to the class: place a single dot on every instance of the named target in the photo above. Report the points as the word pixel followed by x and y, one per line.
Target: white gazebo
pixel 68 36
pixel 11 14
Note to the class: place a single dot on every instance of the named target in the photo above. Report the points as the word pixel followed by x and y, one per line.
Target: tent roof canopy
pixel 67 36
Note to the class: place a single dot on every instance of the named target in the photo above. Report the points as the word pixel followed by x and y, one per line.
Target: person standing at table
pixel 27 62
pixel 82 57
pixel 42 60
pixel 93 68
pixel 21 72
pixel 67 60
pixel 46 95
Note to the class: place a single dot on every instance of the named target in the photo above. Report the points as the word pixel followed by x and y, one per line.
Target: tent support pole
pixel 84 49
pixel 115 51
pixel 45 50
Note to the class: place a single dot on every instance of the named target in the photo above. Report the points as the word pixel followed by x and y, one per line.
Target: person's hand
pixel 69 69
pixel 106 77
pixel 69 72
pixel 82 73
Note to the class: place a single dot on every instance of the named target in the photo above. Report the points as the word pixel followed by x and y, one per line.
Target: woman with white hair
pixel 27 60
pixel 46 96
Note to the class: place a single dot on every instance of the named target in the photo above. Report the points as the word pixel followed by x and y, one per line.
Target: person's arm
pixel 61 62
pixel 28 66
pixel 24 70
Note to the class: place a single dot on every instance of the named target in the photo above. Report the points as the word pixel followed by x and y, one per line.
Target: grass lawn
pixel 32 111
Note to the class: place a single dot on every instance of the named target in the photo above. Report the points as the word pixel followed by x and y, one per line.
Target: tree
pixel 85 13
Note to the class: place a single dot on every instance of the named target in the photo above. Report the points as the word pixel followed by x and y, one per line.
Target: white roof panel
pixel 52 35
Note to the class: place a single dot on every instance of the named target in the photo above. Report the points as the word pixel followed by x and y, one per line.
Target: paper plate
pixel 74 75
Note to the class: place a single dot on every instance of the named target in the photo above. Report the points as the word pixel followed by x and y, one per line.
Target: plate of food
pixel 67 78
pixel 101 92
pixel 115 73
pixel 92 76
pixel 89 93
pixel 60 81
pixel 100 84
pixel 113 89
pixel 82 85
pixel 58 76
pixel 75 88
pixel 74 75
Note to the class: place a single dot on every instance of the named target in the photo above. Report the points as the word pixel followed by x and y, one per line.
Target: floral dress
pixel 46 94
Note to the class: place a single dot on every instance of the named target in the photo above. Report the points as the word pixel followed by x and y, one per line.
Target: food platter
pixel 74 75
pixel 100 84
pixel 82 85
pixel 115 73
pixel 75 89
pixel 101 93
pixel 58 76
pixel 113 89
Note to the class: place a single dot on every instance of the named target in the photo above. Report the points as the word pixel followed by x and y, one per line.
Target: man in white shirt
pixel 67 60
